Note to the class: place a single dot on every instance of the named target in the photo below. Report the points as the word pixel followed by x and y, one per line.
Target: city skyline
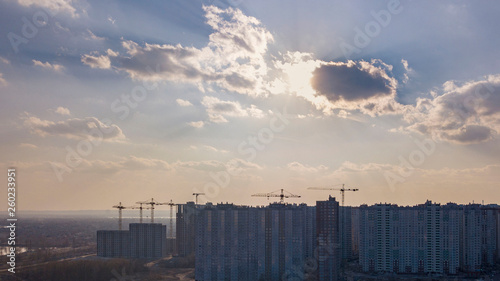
pixel 124 101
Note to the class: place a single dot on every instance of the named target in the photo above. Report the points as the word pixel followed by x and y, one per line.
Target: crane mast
pixel 152 203
pixel 171 226
pixel 120 207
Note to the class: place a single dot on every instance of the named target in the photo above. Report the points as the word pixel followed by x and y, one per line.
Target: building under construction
pixel 141 241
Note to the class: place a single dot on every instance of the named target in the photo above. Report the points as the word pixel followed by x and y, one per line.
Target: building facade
pixel 355 231
pixel 147 240
pixel 328 241
pixel 345 231
pixel 185 224
pixel 141 241
pixel 428 238
pixel 113 243
pixel 480 237
pixel 253 243
pixel 420 239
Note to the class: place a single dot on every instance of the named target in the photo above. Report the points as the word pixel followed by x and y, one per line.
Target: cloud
pixel 55 6
pixel 464 114
pixel 27 145
pixel 89 35
pixel 367 167
pixel 236 59
pixel 47 65
pixel 89 127
pixel 63 111
pixel 361 85
pixel 233 59
pixel 182 102
pixel 298 167
pixel 134 163
pixel 237 164
pixel 343 114
pixel 470 134
pixel 3 82
pixel 208 148
pixel 209 165
pixel 364 86
pixel 59 26
pixel 111 20
pixel 351 82
pixel 102 62
pixel 131 163
pixel 218 109
pixel 409 71
pixel 112 53
pixel 196 124
pixel 4 60
pixel 213 149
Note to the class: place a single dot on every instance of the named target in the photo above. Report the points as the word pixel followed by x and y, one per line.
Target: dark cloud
pixel 162 61
pixel 351 82
pixel 224 107
pixel 239 81
pixel 471 134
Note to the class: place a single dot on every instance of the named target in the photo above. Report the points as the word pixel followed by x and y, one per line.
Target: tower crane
pixel 281 195
pixel 196 194
pixel 342 190
pixel 120 207
pixel 140 210
pixel 152 203
pixel 171 226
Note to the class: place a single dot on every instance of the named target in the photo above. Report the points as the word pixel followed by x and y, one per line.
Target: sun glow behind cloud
pixel 297 69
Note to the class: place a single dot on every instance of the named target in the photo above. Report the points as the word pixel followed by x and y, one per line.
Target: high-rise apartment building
pixel 147 240
pixel 355 231
pixel 480 237
pixel 419 239
pixel 187 215
pixel 428 238
pixel 328 241
pixel 113 243
pixel 142 240
pixel 253 243
pixel 345 231
pixel 498 236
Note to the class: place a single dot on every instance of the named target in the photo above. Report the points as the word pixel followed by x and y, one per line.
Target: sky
pixel 122 101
